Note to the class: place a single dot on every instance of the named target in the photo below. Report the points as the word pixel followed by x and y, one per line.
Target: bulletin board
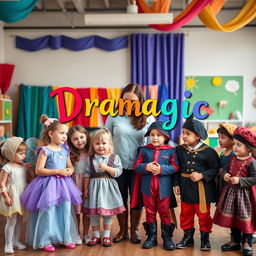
pixel 223 93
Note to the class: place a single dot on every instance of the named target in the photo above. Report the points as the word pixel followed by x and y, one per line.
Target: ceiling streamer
pixel 246 14
pixel 192 10
pixel 206 10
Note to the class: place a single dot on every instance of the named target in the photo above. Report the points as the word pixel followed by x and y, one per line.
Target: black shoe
pixel 187 239
pixel 205 243
pixel 167 231
pixel 151 232
pixel 227 247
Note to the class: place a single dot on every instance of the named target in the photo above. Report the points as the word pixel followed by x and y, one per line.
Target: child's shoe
pixel 48 248
pixel 187 239
pixel 79 241
pixel 87 239
pixel 151 232
pixel 70 246
pixel 167 233
pixel 20 246
pixel 8 248
pixel 231 246
pixel 205 243
pixel 107 242
pixel 94 241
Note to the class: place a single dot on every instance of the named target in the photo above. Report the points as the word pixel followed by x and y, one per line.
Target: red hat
pixel 246 136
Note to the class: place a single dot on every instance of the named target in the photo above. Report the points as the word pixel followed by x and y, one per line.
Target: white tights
pixel 13 229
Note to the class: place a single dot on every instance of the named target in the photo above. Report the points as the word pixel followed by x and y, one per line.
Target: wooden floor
pixel 217 238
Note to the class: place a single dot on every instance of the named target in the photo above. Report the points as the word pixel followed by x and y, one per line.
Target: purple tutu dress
pixel 50 201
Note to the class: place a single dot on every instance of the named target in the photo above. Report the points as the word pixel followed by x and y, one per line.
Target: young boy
pixel 156 162
pixel 195 182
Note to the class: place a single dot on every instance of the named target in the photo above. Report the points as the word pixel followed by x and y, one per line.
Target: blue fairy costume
pixel 50 200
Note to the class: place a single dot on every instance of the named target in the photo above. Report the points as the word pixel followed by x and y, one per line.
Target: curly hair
pixel 74 153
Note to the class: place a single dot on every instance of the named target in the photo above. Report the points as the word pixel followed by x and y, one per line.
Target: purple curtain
pixel 74 44
pixel 159 59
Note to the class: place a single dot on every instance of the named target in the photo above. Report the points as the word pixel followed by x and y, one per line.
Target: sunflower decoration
pixel 216 81
pixel 191 83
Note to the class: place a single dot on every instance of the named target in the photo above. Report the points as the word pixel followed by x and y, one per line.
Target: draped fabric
pixel 33 102
pixel 15 10
pixel 84 43
pixel 69 103
pixel 81 118
pixel 6 72
pixel 191 10
pixel 246 14
pixel 159 59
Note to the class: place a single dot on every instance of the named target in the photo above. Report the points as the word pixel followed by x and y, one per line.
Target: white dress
pixel 16 184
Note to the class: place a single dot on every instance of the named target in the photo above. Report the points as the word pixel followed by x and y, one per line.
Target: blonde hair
pixel 45 139
pixel 99 135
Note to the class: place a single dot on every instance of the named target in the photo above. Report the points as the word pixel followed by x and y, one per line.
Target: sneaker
pixel 20 246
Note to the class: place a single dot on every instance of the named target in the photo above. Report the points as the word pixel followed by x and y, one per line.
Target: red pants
pixel 187 216
pixel 154 204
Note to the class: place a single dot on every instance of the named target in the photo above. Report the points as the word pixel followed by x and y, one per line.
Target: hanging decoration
pixel 192 10
pixel 246 14
pixel 191 83
pixel 6 72
pixel 74 44
pixel 13 11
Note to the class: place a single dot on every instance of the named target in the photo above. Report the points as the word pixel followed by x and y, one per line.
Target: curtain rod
pixel 109 27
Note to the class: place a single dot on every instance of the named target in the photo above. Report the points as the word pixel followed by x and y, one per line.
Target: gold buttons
pixel 193 162
pixel 188 162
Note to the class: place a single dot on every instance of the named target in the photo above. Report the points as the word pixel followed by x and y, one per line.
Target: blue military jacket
pixel 166 157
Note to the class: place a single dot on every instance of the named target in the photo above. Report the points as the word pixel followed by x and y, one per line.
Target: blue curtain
pixel 33 102
pixel 159 59
pixel 15 10
pixel 84 43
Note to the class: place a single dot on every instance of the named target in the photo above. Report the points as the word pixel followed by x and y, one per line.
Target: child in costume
pixel 236 206
pixel 100 186
pixel 12 184
pixel 78 142
pixel 225 133
pixel 195 182
pixel 51 195
pixel 157 162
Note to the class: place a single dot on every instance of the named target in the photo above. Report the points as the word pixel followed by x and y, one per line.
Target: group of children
pixel 87 169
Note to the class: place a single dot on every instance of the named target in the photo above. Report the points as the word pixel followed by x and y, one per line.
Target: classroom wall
pixel 207 52
pixel 1 42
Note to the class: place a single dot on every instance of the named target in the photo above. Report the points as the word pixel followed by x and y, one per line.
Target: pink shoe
pixel 48 248
pixel 70 246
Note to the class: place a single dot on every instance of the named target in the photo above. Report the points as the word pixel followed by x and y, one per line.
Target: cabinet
pixel 5 117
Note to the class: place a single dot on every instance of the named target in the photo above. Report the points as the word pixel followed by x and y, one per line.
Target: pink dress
pixel 78 177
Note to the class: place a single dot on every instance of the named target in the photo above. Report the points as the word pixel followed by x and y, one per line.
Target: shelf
pixel 5 121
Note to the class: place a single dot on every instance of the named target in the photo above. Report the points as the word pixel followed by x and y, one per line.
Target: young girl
pixel 195 183
pixel 236 206
pixel 79 141
pixel 49 197
pixel 157 162
pixel 225 133
pixel 12 184
pixel 100 187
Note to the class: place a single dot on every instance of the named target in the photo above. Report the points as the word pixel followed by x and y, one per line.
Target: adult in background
pixel 128 134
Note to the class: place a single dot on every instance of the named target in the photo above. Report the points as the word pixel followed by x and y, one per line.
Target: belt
pixel 101 175
pixel 202 199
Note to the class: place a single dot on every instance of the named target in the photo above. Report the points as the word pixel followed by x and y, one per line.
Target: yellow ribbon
pixel 202 199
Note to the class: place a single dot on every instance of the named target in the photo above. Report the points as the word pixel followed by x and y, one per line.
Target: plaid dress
pixel 236 206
